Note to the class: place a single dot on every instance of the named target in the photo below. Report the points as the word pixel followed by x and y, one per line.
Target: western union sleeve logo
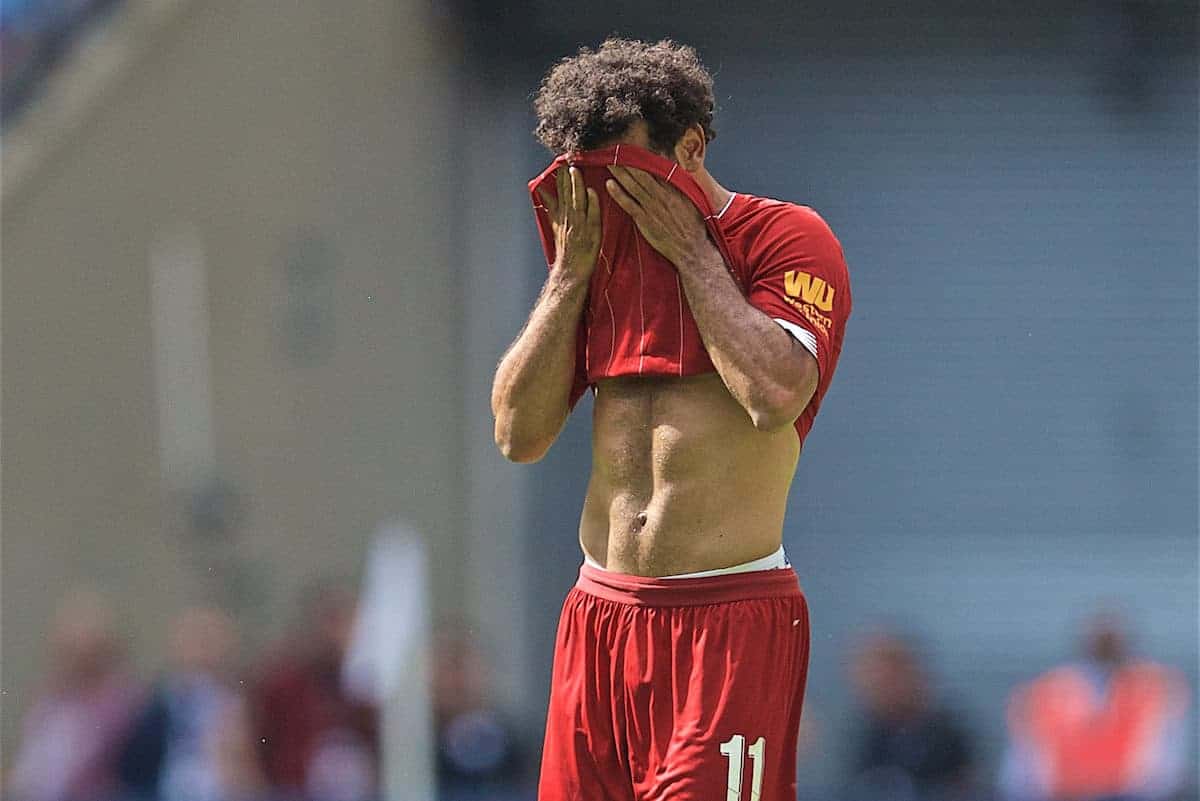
pixel 808 289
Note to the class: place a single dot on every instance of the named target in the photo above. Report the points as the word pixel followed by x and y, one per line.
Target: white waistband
pixel 774 561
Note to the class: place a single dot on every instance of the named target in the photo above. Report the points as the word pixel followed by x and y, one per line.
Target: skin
pixel 688 474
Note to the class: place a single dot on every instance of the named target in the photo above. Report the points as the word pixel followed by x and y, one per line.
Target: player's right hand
pixel 575 218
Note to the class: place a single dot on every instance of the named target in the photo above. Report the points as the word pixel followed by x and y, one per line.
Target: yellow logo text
pixel 808 289
pixel 809 312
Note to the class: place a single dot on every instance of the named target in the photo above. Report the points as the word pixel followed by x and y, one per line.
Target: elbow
pixel 518 447
pixel 779 408
pixel 768 418
pixel 521 452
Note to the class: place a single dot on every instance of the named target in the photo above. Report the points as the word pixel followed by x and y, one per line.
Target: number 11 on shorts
pixel 735 750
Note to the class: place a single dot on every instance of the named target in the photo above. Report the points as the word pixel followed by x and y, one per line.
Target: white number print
pixel 735 750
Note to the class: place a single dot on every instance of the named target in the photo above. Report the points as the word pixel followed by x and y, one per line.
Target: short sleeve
pixel 542 216
pixel 579 383
pixel 798 277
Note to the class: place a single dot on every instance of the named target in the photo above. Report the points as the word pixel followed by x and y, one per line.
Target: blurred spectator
pixel 477 756
pixel 76 722
pixel 236 756
pixel 1109 727
pixel 175 750
pixel 909 747
pixel 317 741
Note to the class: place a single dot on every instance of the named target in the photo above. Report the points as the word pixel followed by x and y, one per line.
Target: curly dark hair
pixel 592 97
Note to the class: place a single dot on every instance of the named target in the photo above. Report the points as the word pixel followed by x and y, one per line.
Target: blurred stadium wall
pixel 1010 442
pixel 304 154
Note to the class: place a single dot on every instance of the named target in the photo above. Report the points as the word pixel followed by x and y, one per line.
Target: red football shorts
pixel 677 689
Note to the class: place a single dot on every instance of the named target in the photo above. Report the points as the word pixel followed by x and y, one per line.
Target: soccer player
pixel 708 324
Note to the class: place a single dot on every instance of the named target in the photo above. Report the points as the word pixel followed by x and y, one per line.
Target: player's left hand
pixel 668 220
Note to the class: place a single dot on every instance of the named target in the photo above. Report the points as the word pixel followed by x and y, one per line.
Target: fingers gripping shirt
pixel 637 320
pixel 783 257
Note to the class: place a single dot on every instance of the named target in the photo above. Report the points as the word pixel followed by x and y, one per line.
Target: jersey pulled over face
pixel 782 256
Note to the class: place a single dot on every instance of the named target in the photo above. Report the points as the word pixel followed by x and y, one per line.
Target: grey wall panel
pixel 258 129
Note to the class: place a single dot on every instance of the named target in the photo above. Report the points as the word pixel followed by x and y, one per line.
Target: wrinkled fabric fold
pixel 638 321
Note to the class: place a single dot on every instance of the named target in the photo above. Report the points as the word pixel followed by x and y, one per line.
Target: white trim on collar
pixel 728 203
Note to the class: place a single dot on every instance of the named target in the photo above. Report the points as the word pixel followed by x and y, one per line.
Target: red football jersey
pixel 782 256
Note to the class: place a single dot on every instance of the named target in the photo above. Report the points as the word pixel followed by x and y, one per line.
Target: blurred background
pixel 261 258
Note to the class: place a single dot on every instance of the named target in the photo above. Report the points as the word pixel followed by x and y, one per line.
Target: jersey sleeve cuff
pixel 803 336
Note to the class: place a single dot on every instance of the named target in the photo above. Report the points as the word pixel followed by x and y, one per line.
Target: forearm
pixel 758 361
pixel 531 390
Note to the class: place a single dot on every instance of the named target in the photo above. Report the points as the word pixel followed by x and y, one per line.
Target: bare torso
pixel 681 480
